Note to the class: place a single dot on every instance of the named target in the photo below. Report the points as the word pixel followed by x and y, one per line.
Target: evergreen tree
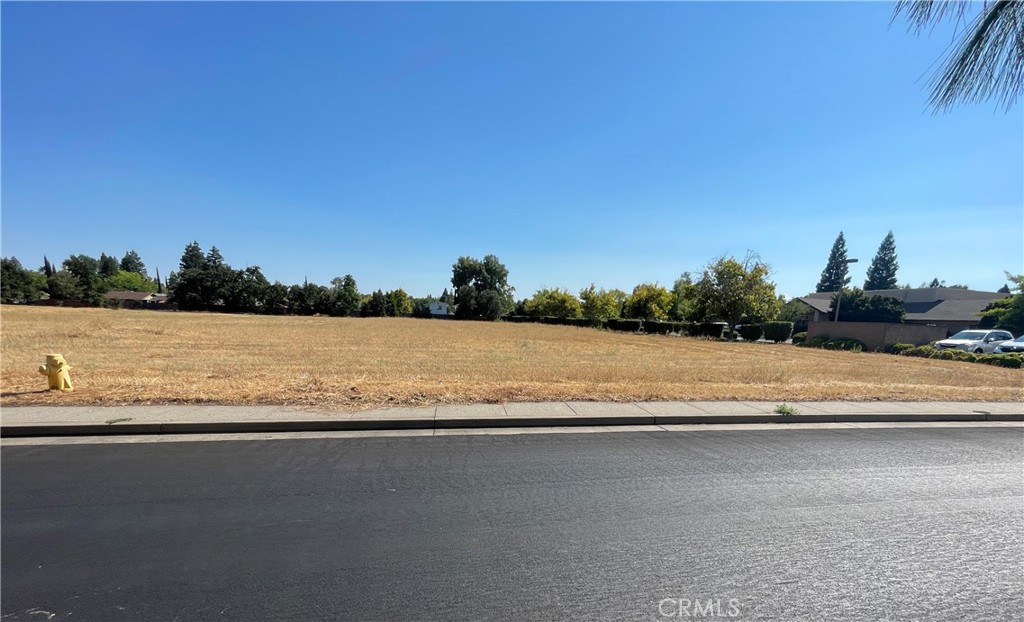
pixel 192 258
pixel 159 285
pixel 107 266
pixel 48 267
pixel 837 272
pixel 882 272
pixel 376 305
pixel 186 286
pixel 131 262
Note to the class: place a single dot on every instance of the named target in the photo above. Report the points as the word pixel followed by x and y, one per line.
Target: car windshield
pixel 969 334
pixel 1020 339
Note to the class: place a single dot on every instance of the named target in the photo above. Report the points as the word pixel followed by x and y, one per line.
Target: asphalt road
pixel 881 524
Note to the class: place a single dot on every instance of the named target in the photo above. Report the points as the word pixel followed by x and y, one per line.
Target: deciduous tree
pixel 19 285
pixel 553 303
pixel 481 288
pixel 730 290
pixel 598 304
pixel 649 301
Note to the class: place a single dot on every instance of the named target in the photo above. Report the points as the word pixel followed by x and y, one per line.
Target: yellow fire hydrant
pixel 56 372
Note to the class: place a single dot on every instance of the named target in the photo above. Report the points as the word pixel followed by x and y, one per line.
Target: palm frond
pixel 988 60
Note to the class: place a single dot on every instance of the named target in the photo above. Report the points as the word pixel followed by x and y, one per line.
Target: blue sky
pixel 610 143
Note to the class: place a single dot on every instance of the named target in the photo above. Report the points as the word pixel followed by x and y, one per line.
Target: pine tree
pixel 108 266
pixel 837 272
pixel 882 272
pixel 131 262
pixel 159 286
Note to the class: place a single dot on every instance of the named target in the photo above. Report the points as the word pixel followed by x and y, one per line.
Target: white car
pixel 977 341
pixel 1017 345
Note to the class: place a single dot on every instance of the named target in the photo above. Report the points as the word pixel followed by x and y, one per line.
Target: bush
pixel 751 332
pixel 706 329
pixel 845 343
pixel 925 351
pixel 624 325
pixel 841 343
pixel 898 348
pixel 777 331
pixel 655 327
pixel 815 342
pixel 799 338
pixel 1011 361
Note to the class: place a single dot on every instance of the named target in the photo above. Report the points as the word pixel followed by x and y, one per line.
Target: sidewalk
pixel 22 421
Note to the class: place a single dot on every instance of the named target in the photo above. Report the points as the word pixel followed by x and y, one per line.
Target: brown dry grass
pixel 124 357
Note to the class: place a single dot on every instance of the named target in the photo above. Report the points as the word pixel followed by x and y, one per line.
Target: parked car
pixel 1017 345
pixel 977 341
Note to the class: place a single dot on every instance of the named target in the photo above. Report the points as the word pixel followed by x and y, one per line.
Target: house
pixel 438 308
pixel 953 308
pixel 135 300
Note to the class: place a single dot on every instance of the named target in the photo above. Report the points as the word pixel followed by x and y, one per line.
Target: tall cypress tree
pixel 837 272
pixel 882 272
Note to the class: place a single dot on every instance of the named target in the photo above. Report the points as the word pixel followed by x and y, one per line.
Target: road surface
pixel 768 525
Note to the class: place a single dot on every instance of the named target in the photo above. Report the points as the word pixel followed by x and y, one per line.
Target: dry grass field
pixel 124 357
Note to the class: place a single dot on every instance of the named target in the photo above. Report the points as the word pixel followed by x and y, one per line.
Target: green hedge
pixel 777 331
pixel 799 338
pixel 624 325
pixel 706 329
pixel 899 348
pixel 1010 360
pixel 654 327
pixel 751 332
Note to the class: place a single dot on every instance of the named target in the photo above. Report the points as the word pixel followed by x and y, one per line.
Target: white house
pixel 438 308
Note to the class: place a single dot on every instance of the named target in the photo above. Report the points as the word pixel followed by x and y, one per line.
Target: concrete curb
pixel 344 425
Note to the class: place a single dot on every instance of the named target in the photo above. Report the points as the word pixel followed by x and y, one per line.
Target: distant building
pixel 956 309
pixel 438 309
pixel 135 299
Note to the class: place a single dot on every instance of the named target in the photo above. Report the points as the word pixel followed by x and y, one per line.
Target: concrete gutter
pixel 143 420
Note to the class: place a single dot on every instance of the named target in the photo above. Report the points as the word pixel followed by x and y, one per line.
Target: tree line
pixel 727 290
pixel 79 277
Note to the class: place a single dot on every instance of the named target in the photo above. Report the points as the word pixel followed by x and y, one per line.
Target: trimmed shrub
pixel 799 338
pixel 815 342
pixel 1002 360
pixel 777 331
pixel 898 348
pixel 656 327
pixel 707 329
pixel 751 332
pixel 925 351
pixel 624 325
pixel 845 343
pixel 841 343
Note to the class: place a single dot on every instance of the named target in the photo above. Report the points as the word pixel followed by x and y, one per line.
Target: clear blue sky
pixel 611 143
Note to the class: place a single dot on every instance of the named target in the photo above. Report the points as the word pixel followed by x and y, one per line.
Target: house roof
pixel 118 294
pixel 926 304
pixel 126 295
pixel 819 302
